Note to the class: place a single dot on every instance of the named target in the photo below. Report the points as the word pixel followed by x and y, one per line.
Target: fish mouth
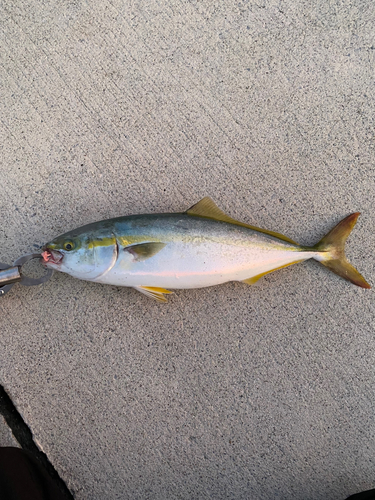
pixel 51 257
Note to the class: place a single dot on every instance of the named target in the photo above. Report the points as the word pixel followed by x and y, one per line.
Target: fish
pixel 202 247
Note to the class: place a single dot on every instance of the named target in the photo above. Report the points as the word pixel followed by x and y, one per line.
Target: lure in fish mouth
pixel 51 257
pixel 198 248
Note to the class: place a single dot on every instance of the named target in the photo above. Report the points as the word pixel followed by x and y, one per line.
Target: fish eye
pixel 69 245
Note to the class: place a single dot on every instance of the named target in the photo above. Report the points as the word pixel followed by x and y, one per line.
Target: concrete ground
pixel 6 436
pixel 111 108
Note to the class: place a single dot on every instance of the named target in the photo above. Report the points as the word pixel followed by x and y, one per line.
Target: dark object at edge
pixel 22 477
pixel 364 495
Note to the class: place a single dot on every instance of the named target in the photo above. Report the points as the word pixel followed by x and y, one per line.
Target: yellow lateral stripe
pixel 128 240
pixel 123 241
pixel 254 279
pixel 101 242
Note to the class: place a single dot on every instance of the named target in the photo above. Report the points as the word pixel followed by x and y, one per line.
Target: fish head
pixel 70 253
pixel 80 253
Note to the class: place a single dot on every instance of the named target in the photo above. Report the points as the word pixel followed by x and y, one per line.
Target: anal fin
pixel 254 279
pixel 154 292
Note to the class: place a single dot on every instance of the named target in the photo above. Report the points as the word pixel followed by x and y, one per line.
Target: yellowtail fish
pixel 198 248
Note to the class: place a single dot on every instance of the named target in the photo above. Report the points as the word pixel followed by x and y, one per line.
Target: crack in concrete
pixel 24 436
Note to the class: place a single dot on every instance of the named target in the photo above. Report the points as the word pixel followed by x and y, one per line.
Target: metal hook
pixel 9 275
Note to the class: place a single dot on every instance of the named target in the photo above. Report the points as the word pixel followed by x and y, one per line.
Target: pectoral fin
pixel 144 251
pixel 154 292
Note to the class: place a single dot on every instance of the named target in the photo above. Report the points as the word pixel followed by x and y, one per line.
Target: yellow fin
pixel 154 292
pixel 254 279
pixel 207 208
pixel 333 246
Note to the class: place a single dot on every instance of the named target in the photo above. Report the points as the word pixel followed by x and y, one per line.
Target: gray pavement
pixel 111 108
pixel 6 436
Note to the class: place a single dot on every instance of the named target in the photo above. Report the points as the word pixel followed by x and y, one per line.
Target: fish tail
pixel 332 251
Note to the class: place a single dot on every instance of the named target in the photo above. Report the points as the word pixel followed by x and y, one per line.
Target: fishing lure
pixel 198 248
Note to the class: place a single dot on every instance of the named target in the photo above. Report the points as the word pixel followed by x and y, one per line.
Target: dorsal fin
pixel 207 208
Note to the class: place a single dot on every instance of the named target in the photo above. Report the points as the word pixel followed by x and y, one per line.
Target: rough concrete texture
pixel 111 108
pixel 6 436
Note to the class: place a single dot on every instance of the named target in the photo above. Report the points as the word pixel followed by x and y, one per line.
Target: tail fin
pixel 332 247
